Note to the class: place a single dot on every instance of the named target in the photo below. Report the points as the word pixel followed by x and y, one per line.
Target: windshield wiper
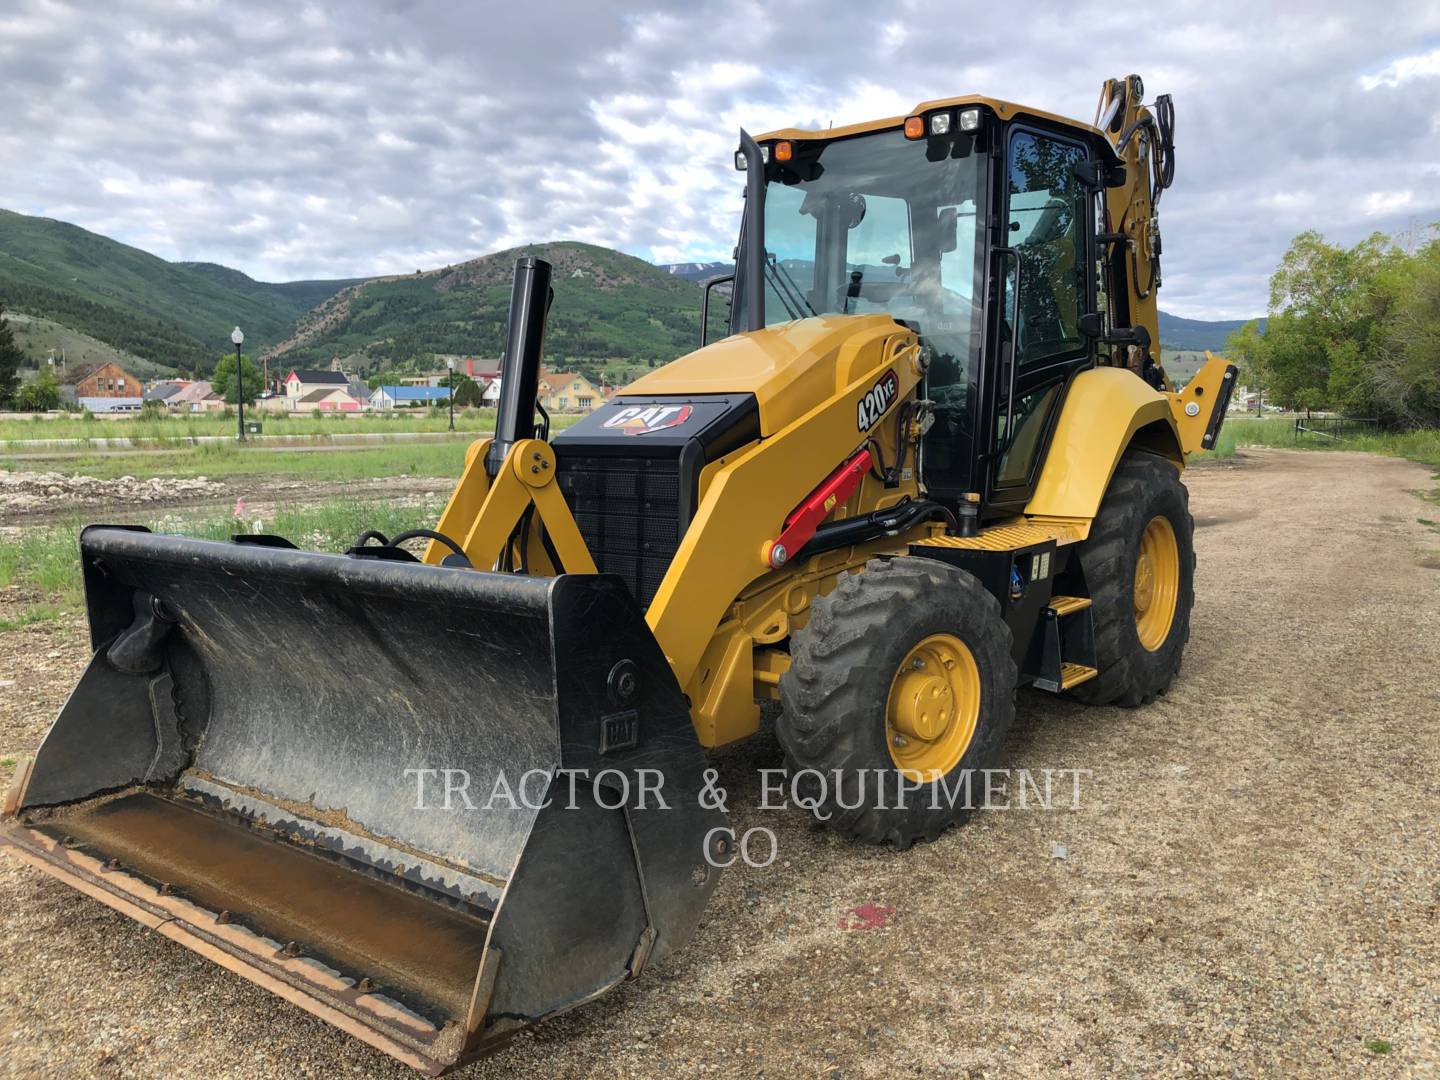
pixel 789 292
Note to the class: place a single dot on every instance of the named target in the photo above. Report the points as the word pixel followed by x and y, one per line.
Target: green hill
pixel 607 306
pixel 175 314
pixel 1197 335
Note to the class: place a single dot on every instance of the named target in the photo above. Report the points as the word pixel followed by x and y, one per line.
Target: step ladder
pixel 1064 651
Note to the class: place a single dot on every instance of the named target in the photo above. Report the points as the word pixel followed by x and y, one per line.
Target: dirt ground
pixel 32 498
pixel 1249 887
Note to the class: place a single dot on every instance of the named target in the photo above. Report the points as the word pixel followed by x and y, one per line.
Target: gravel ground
pixel 31 498
pixel 23 492
pixel 1249 888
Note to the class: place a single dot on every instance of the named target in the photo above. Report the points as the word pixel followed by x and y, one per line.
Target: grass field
pixel 1422 446
pixel 226 460
pixel 46 558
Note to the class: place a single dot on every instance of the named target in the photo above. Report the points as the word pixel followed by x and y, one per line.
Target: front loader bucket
pixel 429 805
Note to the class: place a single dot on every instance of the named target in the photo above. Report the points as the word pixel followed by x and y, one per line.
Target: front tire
pixel 1139 566
pixel 903 671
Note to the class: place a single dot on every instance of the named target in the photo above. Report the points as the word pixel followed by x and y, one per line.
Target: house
pixel 490 393
pixel 406 397
pixel 480 370
pixel 110 404
pixel 196 397
pixel 164 391
pixel 301 382
pixel 99 380
pixel 329 399
pixel 562 391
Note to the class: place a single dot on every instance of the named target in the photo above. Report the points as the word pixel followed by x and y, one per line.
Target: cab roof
pixel 1006 110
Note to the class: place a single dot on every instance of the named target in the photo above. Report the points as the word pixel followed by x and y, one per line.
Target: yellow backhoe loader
pixel 434 799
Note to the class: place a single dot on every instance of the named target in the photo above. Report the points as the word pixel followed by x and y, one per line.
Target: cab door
pixel 1043 266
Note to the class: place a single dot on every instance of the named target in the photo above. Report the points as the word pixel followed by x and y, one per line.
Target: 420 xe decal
pixel 876 400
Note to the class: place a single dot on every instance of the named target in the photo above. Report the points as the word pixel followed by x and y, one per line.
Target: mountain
pixel 1176 334
pixel 1197 335
pixel 176 314
pixel 700 272
pixel 607 305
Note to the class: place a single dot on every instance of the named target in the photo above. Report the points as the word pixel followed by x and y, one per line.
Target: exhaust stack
pixel 530 298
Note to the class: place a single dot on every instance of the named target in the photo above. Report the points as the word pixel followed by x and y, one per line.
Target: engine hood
pixel 789 368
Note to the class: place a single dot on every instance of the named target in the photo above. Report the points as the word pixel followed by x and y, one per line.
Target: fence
pixel 1334 427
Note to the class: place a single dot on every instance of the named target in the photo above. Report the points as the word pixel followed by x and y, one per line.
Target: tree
pixel 10 357
pixel 1325 304
pixel 42 395
pixel 467 391
pixel 1404 375
pixel 1246 347
pixel 224 379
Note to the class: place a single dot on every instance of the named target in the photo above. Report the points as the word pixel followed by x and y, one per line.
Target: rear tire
pixel 1139 567
pixel 907 644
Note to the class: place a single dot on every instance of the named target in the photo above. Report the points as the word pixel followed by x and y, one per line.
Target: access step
pixel 1075 674
pixel 1068 605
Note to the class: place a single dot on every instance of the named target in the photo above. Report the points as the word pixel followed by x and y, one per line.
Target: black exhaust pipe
pixel 530 298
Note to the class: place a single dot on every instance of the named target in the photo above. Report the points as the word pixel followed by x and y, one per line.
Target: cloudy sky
pixel 331 140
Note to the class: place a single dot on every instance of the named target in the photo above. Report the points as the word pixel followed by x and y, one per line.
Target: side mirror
pixel 947 226
pixel 705 303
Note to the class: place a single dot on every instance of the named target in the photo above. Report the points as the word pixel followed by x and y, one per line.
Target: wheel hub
pixel 1157 582
pixel 933 707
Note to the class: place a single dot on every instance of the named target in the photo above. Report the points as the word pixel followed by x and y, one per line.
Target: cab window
pixel 1046 215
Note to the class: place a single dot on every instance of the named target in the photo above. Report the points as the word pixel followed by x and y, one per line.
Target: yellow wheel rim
pixel 933 707
pixel 1157 582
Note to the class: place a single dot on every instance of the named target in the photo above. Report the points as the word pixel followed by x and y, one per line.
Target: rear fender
pixel 1106 412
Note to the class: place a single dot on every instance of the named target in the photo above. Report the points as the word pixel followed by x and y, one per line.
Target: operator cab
pixel 929 221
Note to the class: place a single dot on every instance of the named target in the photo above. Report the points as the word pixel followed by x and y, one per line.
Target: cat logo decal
pixel 644 419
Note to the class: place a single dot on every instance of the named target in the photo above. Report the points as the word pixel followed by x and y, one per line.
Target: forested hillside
pixel 607 305
pixel 177 314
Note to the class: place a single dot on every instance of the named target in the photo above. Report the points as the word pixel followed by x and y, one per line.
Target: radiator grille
pixel 628 510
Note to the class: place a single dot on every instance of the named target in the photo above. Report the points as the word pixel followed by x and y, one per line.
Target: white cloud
pixel 1403 70
pixel 339 139
pixel 1387 202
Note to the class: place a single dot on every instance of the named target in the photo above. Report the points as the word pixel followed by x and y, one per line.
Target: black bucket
pixel 429 804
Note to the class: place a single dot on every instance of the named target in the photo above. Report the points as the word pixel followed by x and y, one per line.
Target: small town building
pixel 329 399
pixel 406 397
pixel 110 404
pixel 562 391
pixel 478 369
pixel 99 380
pixel 301 382
pixel 196 397
pixel 164 391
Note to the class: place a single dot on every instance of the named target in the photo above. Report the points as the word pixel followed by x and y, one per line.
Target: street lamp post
pixel 451 365
pixel 239 339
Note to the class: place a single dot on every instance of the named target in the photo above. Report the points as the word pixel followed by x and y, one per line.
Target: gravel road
pixel 1249 887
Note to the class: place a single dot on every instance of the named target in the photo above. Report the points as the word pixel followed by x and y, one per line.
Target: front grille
pixel 628 510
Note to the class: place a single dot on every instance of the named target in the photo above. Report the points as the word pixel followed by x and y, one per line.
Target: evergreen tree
pixel 10 357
